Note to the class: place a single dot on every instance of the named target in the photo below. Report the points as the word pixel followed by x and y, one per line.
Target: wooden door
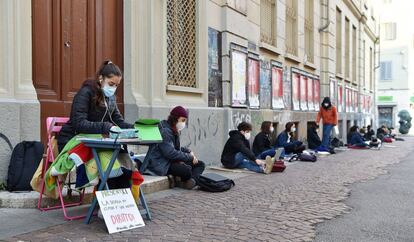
pixel 71 38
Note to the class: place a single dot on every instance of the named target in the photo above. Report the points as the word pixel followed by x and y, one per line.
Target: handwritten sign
pixel 119 210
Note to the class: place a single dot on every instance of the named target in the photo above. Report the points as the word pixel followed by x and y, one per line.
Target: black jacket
pixel 314 141
pixel 168 151
pixel 88 118
pixel 261 143
pixel 236 143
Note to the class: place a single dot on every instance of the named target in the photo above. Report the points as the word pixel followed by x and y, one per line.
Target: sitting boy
pixel 237 153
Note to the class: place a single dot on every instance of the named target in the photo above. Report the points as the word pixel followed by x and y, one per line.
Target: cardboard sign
pixel 119 210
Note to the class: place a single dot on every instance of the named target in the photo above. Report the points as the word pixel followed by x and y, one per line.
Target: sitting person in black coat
pixel 369 133
pixel 287 140
pixel 356 138
pixel 261 145
pixel 314 141
pixel 169 158
pixel 237 153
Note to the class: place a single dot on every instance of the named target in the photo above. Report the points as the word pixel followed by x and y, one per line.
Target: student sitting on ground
pixel 169 158
pixel 356 138
pixel 261 145
pixel 237 153
pixel 286 140
pixel 369 133
pixel 314 141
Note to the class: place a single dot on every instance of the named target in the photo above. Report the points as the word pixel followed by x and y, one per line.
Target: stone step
pixel 151 184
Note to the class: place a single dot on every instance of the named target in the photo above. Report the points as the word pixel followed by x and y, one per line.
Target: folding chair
pixel 54 125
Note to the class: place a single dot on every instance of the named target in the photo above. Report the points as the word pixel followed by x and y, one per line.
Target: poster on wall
pixel 277 88
pixel 265 84
pixel 303 92
pixel 316 88
pixel 356 106
pixel 333 91
pixel 253 83
pixel 295 90
pixel 340 102
pixel 238 68
pixel 347 98
pixel 215 87
pixel 311 103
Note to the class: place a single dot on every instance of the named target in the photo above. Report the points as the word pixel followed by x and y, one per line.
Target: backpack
pixel 335 142
pixel 304 157
pixel 212 182
pixel 24 161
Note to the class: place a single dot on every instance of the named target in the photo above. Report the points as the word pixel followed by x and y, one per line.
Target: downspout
pixel 326 25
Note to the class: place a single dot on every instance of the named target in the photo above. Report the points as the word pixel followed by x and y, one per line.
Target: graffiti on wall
pixel 201 129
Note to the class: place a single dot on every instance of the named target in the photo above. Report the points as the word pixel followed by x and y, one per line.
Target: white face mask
pixel 326 104
pixel 180 126
pixel 272 129
pixel 108 91
pixel 247 135
pixel 293 129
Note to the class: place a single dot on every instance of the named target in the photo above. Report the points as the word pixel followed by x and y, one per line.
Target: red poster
pixel 253 83
pixel 317 97
pixel 295 91
pixel 277 88
pixel 303 92
pixel 340 90
pixel 310 91
pixel 347 99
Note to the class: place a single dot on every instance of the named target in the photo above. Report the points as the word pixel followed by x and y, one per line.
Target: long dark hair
pixel 265 128
pixel 288 126
pixel 106 70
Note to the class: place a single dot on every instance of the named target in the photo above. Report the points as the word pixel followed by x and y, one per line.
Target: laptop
pixel 215 177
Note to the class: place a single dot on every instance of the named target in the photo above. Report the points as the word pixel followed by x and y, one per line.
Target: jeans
pixel 243 162
pixel 269 152
pixel 326 134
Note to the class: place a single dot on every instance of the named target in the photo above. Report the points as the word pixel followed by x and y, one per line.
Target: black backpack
pixel 304 157
pixel 212 182
pixel 24 161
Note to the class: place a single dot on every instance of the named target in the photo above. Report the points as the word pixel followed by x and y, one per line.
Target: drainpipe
pixel 326 25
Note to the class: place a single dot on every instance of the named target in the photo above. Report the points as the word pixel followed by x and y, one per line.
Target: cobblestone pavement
pixel 277 207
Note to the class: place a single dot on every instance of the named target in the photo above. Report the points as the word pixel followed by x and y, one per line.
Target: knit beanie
pixel 179 111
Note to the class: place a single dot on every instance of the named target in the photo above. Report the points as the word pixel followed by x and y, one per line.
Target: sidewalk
pixel 277 207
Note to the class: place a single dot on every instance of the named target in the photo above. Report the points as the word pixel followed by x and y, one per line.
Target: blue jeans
pixel 243 162
pixel 269 152
pixel 326 134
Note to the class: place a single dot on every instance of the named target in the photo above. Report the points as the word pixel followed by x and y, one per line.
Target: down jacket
pixel 235 144
pixel 88 118
pixel 168 151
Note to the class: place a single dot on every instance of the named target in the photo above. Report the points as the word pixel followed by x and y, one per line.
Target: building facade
pixel 395 78
pixel 227 61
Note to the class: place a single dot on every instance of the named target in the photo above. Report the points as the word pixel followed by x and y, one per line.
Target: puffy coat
pixel 261 143
pixel 235 144
pixel 168 151
pixel 88 118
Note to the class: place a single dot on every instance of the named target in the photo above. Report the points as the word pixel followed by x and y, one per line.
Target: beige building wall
pixel 19 108
pixel 239 21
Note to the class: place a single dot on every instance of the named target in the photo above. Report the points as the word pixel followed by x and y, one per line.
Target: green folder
pixel 148 129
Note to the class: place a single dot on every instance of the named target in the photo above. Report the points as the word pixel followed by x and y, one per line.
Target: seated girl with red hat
pixel 169 158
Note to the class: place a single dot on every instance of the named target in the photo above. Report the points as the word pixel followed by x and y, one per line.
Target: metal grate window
pixel 268 22
pixel 181 43
pixel 338 41
pixel 347 48
pixel 291 27
pixel 309 30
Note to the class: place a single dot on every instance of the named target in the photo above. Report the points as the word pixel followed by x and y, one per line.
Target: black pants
pixel 187 170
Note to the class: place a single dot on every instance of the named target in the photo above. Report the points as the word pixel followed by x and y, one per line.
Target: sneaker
pixel 189 184
pixel 269 165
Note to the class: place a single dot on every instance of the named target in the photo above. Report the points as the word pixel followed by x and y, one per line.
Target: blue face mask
pixel 108 90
